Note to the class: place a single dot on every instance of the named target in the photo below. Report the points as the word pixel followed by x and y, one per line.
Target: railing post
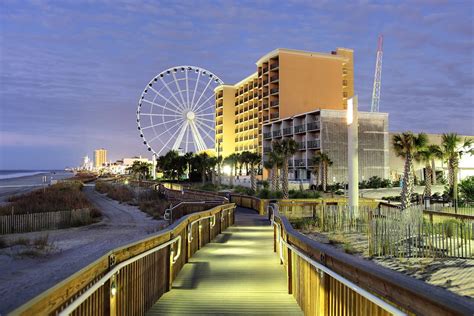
pixel 170 270
pixel 274 238
pixel 323 304
pixel 289 269
pixel 112 290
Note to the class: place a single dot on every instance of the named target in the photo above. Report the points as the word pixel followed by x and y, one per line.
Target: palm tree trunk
pixel 433 170
pixel 203 176
pixel 407 185
pixel 455 183
pixel 253 183
pixel 428 180
pixel 274 179
pixel 232 173
pixel 219 174
pixel 285 179
pixel 324 178
pixel 277 180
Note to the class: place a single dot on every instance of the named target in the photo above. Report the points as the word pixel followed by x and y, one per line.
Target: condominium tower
pixel 100 157
pixel 286 83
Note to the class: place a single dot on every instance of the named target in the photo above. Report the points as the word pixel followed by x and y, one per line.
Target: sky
pixel 71 72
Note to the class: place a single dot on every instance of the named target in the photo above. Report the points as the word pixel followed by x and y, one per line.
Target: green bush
pixel 267 194
pixel 296 194
pixel 375 183
pixel 466 189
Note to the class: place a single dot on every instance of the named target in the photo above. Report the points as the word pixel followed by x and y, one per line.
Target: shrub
pixel 466 189
pixel 153 203
pixel 117 192
pixel 296 194
pixel 450 227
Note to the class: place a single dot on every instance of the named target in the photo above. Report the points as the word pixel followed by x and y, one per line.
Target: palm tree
pixel 426 156
pixel 407 145
pixel 273 163
pixel 452 150
pixel 219 160
pixel 268 164
pixel 254 160
pixel 285 148
pixel 188 158
pixel 202 162
pixel 316 160
pixel 231 160
pixel 325 163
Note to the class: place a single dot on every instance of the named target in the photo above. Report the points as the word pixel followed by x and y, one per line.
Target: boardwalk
pixel 235 274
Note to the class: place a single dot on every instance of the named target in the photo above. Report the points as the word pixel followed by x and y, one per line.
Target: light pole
pixel 153 162
pixel 353 153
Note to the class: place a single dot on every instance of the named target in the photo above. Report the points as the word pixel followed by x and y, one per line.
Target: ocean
pixel 11 174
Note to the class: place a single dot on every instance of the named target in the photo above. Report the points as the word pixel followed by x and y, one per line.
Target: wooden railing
pixel 325 281
pixel 128 280
pixel 260 205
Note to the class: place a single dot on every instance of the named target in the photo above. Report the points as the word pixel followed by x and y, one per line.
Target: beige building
pixel 466 164
pixel 100 157
pixel 286 83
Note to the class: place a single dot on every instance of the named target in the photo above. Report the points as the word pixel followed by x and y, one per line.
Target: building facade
pixel 286 83
pixel 326 131
pixel 100 157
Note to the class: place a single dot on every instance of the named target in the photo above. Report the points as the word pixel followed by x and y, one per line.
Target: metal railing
pixel 168 215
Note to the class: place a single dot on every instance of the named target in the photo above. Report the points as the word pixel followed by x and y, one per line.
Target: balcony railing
pixel 302 145
pixel 219 113
pixel 220 94
pixel 275 65
pixel 299 163
pixel 273 78
pixel 313 143
pixel 265 118
pixel 274 90
pixel 265 105
pixel 265 82
pixel 299 129
pixel 265 94
pixel 309 162
pixel 290 162
pixel 274 103
pixel 274 115
pixel 287 131
pixel 265 70
pixel 277 133
pixel 267 149
pixel 312 126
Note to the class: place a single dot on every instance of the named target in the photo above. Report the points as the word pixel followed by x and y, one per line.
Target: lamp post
pixel 353 153
pixel 153 164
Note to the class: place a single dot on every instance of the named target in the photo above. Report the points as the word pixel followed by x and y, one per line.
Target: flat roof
pixel 275 52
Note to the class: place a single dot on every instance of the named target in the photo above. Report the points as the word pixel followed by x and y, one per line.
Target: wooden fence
pixel 22 223
pixel 130 279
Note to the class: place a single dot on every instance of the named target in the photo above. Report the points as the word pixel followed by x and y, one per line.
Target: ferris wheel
pixel 176 110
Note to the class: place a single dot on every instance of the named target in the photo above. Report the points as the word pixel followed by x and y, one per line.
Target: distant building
pixel 120 166
pixel 86 163
pixel 326 131
pixel 100 157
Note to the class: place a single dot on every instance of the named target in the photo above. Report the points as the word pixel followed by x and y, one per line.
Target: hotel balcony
pixel 274 78
pixel 277 133
pixel 313 126
pixel 290 162
pixel 309 162
pixel 313 144
pixel 287 131
pixel 267 149
pixel 274 90
pixel 275 103
pixel 274 115
pixel 274 66
pixel 265 94
pixel 301 145
pixel 299 129
pixel 300 163
pixel 265 118
pixel 220 94
pixel 264 70
pixel 265 82
pixel 219 113
pixel 265 105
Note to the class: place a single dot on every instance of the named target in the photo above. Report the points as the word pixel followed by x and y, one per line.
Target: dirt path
pixel 23 278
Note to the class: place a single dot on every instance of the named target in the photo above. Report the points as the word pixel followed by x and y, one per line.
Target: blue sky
pixel 71 71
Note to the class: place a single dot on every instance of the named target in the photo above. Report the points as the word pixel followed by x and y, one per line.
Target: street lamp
pixel 353 153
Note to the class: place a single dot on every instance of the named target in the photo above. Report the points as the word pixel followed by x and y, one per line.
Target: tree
pixel 172 165
pixel 325 163
pixel 316 160
pixel 273 163
pixel 466 189
pixel 219 160
pixel 202 163
pixel 453 149
pixel 407 145
pixel 254 160
pixel 285 148
pixel 426 156
pixel 140 169
pixel 232 161
pixel 245 160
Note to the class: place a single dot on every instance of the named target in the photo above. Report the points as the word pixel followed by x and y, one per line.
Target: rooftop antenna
pixel 378 77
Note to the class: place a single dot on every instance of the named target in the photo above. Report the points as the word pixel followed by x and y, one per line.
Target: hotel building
pixel 100 157
pixel 286 83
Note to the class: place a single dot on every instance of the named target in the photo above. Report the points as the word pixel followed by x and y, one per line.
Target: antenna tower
pixel 378 77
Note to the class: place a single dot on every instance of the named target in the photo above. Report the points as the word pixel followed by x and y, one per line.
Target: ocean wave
pixel 20 174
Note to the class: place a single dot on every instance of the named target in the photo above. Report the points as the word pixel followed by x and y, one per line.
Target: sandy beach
pixel 13 186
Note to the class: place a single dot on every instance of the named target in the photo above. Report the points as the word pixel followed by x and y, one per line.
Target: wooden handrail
pixel 136 287
pixel 409 294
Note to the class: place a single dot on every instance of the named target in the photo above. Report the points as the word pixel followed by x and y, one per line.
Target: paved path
pixel 237 274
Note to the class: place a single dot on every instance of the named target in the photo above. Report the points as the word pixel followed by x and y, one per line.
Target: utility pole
pixel 353 153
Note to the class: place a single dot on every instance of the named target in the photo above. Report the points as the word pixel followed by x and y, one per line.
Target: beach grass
pixel 63 196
